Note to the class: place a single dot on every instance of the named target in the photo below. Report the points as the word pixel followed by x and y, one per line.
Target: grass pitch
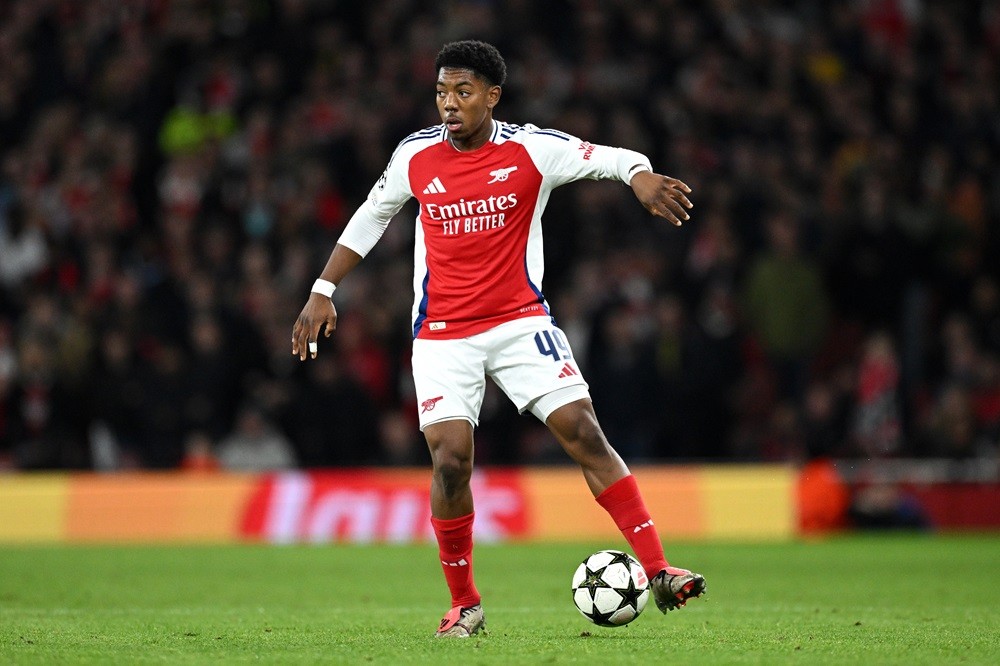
pixel 870 600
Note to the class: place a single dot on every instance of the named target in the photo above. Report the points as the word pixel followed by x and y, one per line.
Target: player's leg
pixel 531 361
pixel 452 515
pixel 449 381
pixel 576 428
pixel 451 447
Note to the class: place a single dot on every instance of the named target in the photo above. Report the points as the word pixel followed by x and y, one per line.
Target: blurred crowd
pixel 174 173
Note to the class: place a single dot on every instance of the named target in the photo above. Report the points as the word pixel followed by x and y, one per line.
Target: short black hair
pixel 480 57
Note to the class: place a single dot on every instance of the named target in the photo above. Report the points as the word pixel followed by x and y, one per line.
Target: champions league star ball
pixel 610 588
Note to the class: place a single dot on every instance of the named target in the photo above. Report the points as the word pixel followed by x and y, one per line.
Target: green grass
pixel 902 600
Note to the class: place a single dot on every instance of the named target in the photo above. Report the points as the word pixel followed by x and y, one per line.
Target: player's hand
pixel 318 310
pixel 662 196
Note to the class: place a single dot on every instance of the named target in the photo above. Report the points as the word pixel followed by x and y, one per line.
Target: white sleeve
pixel 563 158
pixel 388 195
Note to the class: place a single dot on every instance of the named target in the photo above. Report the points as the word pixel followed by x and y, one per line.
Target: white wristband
pixel 634 170
pixel 324 287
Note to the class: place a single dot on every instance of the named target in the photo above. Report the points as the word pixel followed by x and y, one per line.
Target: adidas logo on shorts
pixel 568 371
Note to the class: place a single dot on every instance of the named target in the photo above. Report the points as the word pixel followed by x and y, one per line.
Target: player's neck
pixel 476 141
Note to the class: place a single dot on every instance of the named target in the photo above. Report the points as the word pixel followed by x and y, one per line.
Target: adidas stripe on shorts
pixel 529 359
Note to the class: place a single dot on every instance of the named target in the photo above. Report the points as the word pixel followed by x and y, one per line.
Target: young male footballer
pixel 478 308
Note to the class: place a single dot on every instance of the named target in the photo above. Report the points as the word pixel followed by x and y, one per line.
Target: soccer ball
pixel 610 588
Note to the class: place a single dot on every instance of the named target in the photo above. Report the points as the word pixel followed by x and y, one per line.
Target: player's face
pixel 466 103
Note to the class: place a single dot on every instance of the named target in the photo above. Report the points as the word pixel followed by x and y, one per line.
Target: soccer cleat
pixel 672 587
pixel 461 622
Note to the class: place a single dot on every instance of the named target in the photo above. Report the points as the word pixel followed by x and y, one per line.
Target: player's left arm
pixel 662 196
pixel 563 158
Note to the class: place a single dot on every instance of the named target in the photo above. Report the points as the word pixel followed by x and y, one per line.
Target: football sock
pixel 454 537
pixel 622 500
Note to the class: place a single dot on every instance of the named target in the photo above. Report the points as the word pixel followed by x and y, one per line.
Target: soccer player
pixel 478 307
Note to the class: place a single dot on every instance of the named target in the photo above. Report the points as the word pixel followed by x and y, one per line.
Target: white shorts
pixel 529 359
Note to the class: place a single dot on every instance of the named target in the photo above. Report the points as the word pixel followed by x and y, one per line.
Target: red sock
pixel 622 500
pixel 454 537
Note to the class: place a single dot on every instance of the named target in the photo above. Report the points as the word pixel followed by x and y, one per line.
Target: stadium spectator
pixel 255 445
pixel 786 308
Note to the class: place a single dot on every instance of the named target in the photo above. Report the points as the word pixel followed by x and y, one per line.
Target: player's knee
pixel 591 438
pixel 453 468
pixel 586 437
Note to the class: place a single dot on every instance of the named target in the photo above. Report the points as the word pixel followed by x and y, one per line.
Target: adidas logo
pixel 639 528
pixel 567 371
pixel 435 187
pixel 461 563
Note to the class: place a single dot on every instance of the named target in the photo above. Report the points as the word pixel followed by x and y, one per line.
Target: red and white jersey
pixel 478 258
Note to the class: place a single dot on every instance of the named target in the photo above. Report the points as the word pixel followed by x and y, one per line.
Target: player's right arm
pixel 319 309
pixel 363 230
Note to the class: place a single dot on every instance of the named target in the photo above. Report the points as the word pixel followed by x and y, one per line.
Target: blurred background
pixel 174 173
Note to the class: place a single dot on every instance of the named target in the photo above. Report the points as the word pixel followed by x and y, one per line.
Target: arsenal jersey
pixel 478 245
